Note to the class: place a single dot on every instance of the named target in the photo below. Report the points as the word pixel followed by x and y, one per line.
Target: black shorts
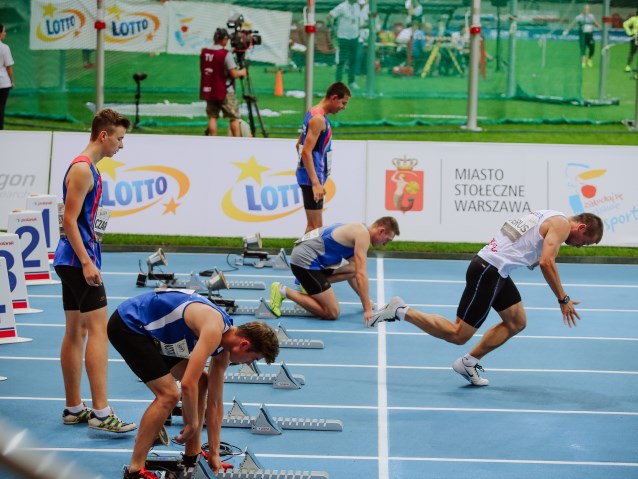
pixel 139 351
pixel 313 281
pixel 485 289
pixel 309 202
pixel 76 292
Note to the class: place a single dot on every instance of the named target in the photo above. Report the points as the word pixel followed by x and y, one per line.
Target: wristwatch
pixel 565 300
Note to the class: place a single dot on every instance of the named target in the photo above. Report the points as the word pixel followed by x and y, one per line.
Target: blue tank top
pixel 319 152
pixel 64 254
pixel 160 315
pixel 318 250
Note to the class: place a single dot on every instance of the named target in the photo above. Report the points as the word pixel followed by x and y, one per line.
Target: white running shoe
pixel 388 312
pixel 471 373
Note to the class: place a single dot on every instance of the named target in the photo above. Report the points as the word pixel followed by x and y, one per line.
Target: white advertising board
pixel 454 192
pixel 24 156
pixel 217 186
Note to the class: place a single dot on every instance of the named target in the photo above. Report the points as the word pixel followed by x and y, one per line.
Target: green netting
pixel 550 84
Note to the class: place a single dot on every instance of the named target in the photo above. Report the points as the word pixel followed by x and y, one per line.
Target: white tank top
pixel 519 243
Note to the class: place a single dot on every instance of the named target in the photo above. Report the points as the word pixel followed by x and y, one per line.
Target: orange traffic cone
pixel 279 84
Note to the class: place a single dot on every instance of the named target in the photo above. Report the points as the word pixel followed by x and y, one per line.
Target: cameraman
pixel 217 85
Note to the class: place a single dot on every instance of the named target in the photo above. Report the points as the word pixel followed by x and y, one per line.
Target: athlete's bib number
pixel 328 163
pixel 177 350
pixel 588 28
pixel 308 236
pixel 101 220
pixel 514 229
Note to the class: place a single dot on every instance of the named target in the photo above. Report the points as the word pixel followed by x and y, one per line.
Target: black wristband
pixel 565 300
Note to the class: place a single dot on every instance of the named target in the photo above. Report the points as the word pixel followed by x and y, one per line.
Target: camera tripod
pixel 249 97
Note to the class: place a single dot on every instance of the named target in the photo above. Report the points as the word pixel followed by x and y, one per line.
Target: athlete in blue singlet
pixel 77 262
pixel 314 149
pixel 165 335
pixel 328 255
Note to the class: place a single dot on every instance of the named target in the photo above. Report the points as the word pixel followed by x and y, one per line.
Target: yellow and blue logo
pixel 137 189
pixel 58 23
pixel 260 194
pixel 124 27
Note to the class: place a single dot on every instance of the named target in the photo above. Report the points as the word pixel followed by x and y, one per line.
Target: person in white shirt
pixel 348 17
pixel 586 22
pixel 530 241
pixel 6 73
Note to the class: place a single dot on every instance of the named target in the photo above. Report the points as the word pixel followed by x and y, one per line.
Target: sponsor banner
pixel 68 24
pixel 191 27
pixel 25 168
pixel 179 185
pixel 599 180
pixel 460 192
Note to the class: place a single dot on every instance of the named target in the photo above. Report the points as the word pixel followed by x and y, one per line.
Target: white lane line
pixel 382 387
pixel 361 408
pixel 374 366
pixel 414 305
pixel 358 458
pixel 518 283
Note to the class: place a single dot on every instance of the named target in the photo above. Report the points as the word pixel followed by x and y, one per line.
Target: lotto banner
pixel 191 27
pixel 25 168
pixel 453 192
pixel 214 186
pixel 68 24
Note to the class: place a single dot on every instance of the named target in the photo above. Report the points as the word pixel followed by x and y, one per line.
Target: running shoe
pixel 70 418
pixel 627 68
pixel 276 298
pixel 111 423
pixel 470 373
pixel 388 312
pixel 141 474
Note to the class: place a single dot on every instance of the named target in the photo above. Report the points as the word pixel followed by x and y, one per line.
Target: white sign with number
pixel 48 205
pixel 10 250
pixel 27 224
pixel 8 331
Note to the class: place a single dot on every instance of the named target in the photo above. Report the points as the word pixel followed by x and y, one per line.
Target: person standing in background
pixel 631 28
pixel 314 149
pixel 6 73
pixel 348 17
pixel 586 22
pixel 77 263
pixel 217 83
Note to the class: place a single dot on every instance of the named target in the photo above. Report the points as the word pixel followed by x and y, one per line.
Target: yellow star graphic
pixel 115 10
pixel 251 169
pixel 171 207
pixel 49 10
pixel 108 165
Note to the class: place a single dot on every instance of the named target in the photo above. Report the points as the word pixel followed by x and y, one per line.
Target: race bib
pixel 308 236
pixel 588 28
pixel 101 220
pixel 60 219
pixel 173 290
pixel 328 163
pixel 177 350
pixel 514 229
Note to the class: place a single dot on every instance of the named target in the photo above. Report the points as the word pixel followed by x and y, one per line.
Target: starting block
pixel 250 468
pixel 250 374
pixel 218 281
pixel 8 331
pixel 263 311
pixel 3 378
pixel 278 261
pixel 286 341
pixel 172 467
pixel 264 423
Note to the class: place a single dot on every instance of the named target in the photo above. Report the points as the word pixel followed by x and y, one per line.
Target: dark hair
pixel 389 223
pixel 338 88
pixel 107 120
pixel 1 28
pixel 594 225
pixel 220 34
pixel 263 339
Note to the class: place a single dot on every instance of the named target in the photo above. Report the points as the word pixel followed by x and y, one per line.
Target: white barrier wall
pixel 213 186
pixel 438 191
pixel 24 168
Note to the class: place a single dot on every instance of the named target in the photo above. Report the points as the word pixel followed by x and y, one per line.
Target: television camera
pixel 241 39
